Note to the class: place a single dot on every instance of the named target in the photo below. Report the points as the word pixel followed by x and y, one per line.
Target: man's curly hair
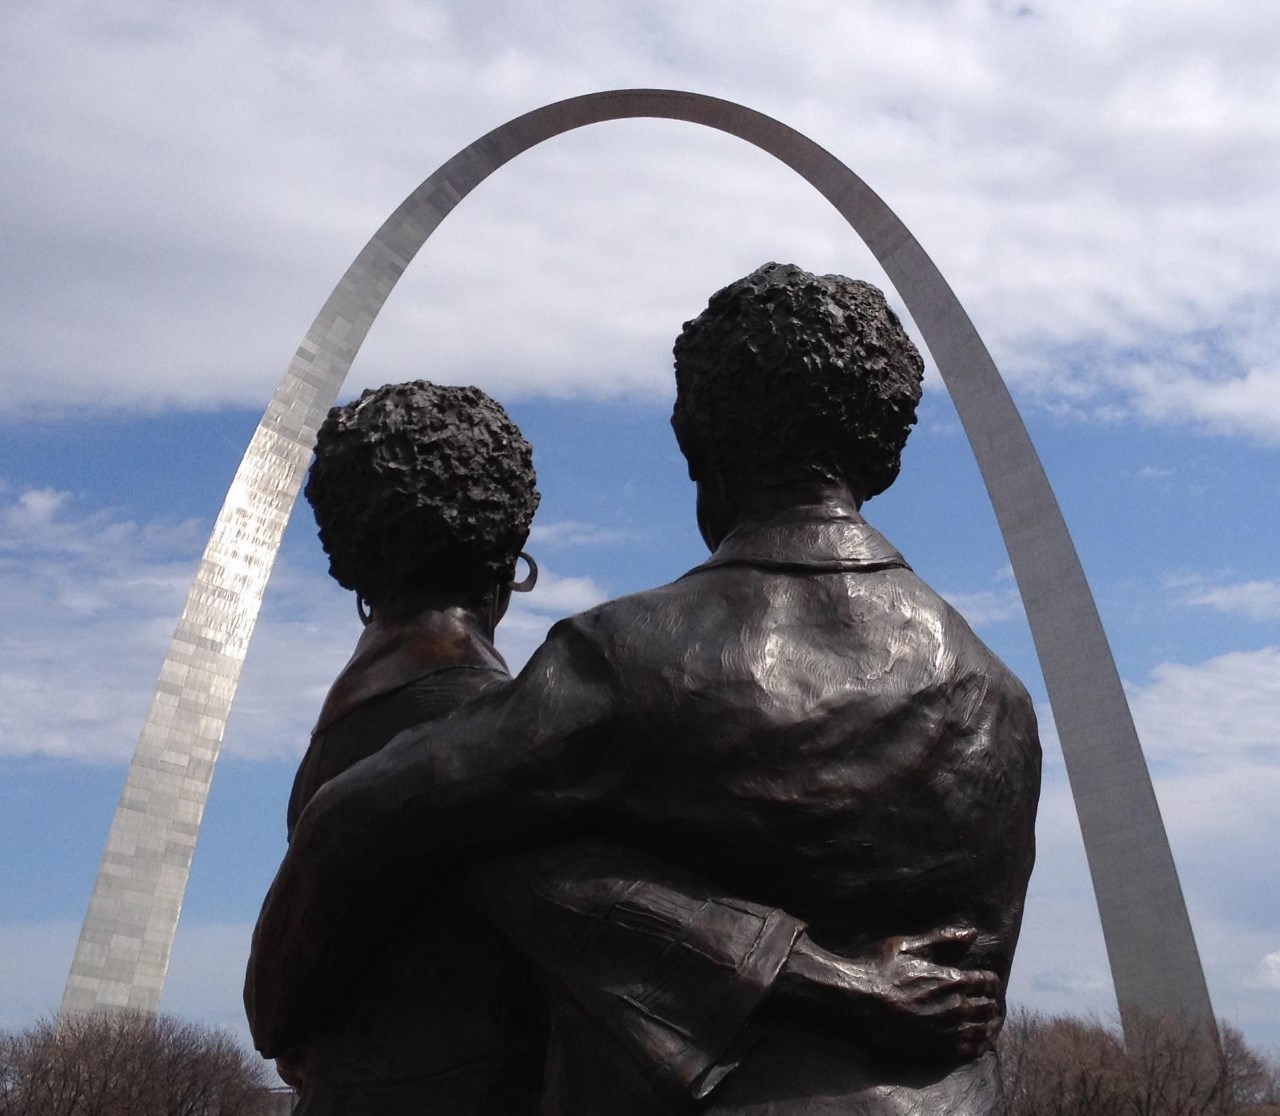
pixel 792 376
pixel 418 487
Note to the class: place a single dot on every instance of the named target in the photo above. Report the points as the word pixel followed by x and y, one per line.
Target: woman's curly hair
pixel 420 487
pixel 788 375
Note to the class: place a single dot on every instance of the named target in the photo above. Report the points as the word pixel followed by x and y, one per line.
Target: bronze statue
pixel 799 720
pixel 423 496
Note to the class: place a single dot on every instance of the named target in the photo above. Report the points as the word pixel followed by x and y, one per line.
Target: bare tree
pixel 1060 1066
pixel 1063 1066
pixel 127 1064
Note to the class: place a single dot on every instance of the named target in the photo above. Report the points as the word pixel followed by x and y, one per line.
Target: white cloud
pixel 185 184
pixel 562 596
pixel 1245 402
pixel 1268 975
pixel 1224 710
pixel 1088 983
pixel 85 601
pixel 1254 600
pixel 574 533
pixel 985 607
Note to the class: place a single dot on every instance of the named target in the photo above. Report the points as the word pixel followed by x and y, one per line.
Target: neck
pixel 765 503
pixel 406 606
pixel 722 509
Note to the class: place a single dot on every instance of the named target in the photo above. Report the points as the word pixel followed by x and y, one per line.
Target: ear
pixel 714 509
pixel 689 448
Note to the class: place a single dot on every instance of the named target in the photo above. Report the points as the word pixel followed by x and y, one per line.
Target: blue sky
pixel 184 184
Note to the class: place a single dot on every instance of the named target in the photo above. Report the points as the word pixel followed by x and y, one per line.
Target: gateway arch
pixel 123 951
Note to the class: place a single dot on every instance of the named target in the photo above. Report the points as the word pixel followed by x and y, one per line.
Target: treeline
pixel 129 1064
pixel 124 1064
pixel 1067 1066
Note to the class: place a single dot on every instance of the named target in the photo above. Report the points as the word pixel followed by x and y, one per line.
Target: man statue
pixel 799 719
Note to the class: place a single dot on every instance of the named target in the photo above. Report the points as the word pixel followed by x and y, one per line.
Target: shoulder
pixel 984 719
pixel 947 648
pixel 629 618
pixel 616 647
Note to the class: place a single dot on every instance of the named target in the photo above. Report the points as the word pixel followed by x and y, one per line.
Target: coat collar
pixel 391 655
pixel 824 538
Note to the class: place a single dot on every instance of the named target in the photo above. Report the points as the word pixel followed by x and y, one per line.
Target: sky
pixel 183 185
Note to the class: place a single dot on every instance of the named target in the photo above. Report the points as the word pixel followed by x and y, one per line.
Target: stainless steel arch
pixel 124 946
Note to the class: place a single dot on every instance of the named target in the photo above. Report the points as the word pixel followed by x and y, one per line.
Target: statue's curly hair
pixel 417 486
pixel 790 376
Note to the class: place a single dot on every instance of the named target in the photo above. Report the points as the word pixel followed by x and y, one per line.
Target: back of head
pixel 419 488
pixel 788 376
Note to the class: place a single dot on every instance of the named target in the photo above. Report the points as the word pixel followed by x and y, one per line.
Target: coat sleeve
pixel 665 962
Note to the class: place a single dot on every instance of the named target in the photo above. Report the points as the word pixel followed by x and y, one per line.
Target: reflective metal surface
pixel 124 946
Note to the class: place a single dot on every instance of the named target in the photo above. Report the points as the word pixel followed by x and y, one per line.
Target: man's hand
pixel 950 1008
pixel 898 1000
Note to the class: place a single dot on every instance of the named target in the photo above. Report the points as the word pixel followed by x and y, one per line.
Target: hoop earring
pixel 362 610
pixel 530 580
